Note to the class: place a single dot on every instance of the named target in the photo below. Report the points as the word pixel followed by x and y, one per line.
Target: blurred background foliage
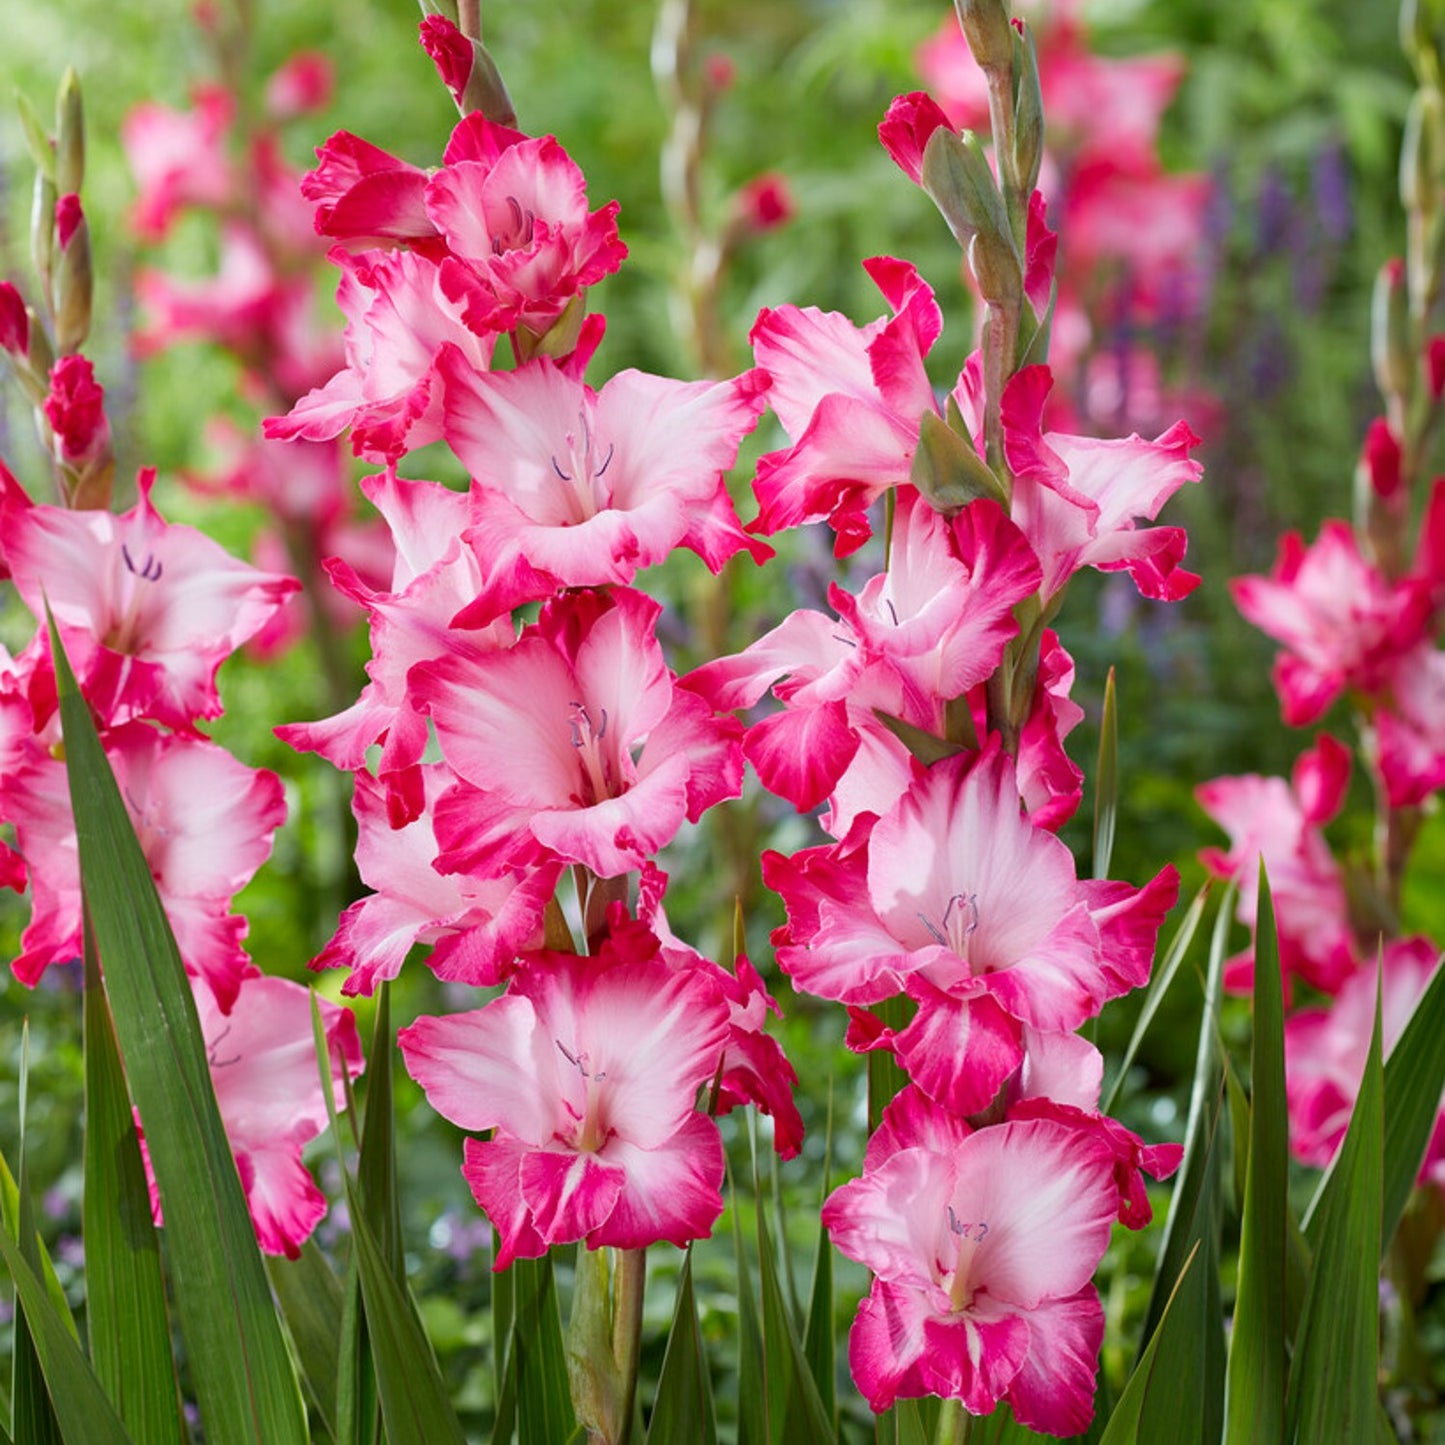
pixel 1294 107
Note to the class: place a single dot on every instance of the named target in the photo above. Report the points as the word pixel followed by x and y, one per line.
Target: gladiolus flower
pixel 589 1071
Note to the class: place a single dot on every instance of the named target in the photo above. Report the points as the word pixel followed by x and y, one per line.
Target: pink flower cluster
pixel 147 611
pixel 1132 230
pixel 261 307
pixel 1357 615
pixel 570 753
pixel 988 1193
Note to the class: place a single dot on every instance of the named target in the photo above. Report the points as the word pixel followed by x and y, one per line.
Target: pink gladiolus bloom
pixel 268 1088
pixel 930 628
pixel 589 1071
pixel 204 821
pixel 850 399
pixel 983 1245
pixel 1078 499
pixel 178 158
pixel 1283 822
pixel 148 610
pixel 1342 624
pixel 304 84
pixel 575 742
pixel 754 1068
pixel 1410 735
pixel 365 196
pixel 577 488
pixel 433 577
pixel 477 926
pixel 958 899
pixel 1326 1049
pixel 513 212
pixel 397 320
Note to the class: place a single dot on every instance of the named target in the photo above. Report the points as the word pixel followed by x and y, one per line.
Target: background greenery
pixel 1288 104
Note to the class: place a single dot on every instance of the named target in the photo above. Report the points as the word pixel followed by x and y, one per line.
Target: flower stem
pixel 628 1281
pixel 955 1424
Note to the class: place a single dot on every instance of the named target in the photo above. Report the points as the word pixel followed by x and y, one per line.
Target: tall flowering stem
pixel 1356 613
pixel 928 713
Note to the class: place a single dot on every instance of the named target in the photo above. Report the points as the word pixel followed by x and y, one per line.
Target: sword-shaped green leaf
pixel 243 1376
pixel 125 1294
pixel 1255 1376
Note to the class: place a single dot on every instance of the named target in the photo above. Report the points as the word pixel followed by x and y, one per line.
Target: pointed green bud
pixel 69 135
pixel 927 747
pixel 1391 353
pixel 948 471
pixel 995 267
pixel 42 354
pixel 956 174
pixel 74 285
pixel 486 91
pixel 1421 25
pixel 447 9
pixel 560 339
pixel 986 27
pixel 42 227
pixel 1421 162
pixel 1028 112
pixel 37 141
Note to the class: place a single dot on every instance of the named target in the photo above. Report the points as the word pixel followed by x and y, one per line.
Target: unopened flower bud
pixel 988 32
pixel 906 129
pixel 42 227
pixel 995 267
pixel 765 203
pixel 303 85
pixel 69 134
pixel 14 322
pixel 1435 367
pixel 74 277
pixel 1390 351
pixel 75 409
pixel 719 72
pixel 956 174
pixel 1028 143
pixel 948 471
pixel 1380 461
pixel 1422 164
pixel 468 71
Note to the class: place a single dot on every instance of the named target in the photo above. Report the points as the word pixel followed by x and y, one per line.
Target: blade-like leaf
pixel 1334 1375
pixel 245 1383
pixel 544 1401
pixel 820 1343
pixel 125 1296
pixel 376 1164
pixel 1414 1081
pixel 1255 1377
pixel 415 1406
pixel 414 1400
pixel 1189 1362
pixel 683 1413
pixel 312 1303
pixel 1106 781
pixel 1125 1425
pixel 83 1413
pixel 795 1411
pixel 10 1216
pixel 751 1393
pixel 35 1419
